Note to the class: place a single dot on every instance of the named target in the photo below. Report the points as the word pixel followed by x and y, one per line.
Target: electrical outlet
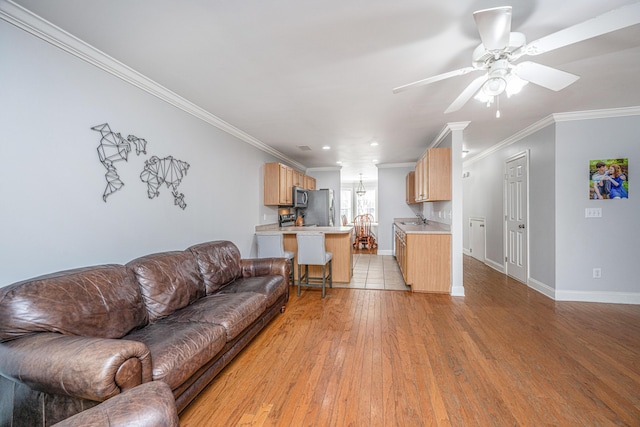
pixel 597 273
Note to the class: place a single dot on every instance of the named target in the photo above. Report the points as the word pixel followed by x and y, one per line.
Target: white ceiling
pixel 320 72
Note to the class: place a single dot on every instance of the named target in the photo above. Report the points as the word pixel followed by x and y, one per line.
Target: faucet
pixel 422 218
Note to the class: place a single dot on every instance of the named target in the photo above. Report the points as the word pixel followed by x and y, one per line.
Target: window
pixel 352 205
pixel 366 204
pixel 346 203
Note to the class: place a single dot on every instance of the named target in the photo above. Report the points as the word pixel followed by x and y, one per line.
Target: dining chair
pixel 364 234
pixel 271 245
pixel 312 251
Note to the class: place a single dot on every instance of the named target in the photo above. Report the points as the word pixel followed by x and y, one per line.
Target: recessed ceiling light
pixel 339 162
pixel 375 160
pixel 374 143
pixel 326 147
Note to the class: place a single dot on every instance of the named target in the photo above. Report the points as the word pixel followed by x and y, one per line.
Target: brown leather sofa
pixel 73 339
pixel 148 405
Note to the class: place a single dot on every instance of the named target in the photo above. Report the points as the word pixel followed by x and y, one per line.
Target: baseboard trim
pixel 544 289
pixel 585 296
pixel 457 291
pixel 599 297
pixel 496 266
pixel 385 252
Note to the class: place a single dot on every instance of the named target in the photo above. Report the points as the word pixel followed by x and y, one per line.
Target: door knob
pixel 521 226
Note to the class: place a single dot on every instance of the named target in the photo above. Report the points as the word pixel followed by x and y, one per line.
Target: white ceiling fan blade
pixel 544 76
pixel 466 94
pixel 613 20
pixel 434 79
pixel 494 27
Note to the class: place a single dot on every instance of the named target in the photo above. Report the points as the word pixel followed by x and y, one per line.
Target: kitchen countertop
pixel 431 227
pixel 296 230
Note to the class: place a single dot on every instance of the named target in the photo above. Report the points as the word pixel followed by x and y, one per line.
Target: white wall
pixel 564 246
pixel 608 242
pixel 483 198
pixel 52 215
pixel 392 203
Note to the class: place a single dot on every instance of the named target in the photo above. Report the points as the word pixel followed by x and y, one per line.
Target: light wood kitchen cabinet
pixel 433 176
pixel 340 246
pixel 309 182
pixel 425 261
pixel 410 190
pixel 279 181
pixel 401 252
pixel 278 184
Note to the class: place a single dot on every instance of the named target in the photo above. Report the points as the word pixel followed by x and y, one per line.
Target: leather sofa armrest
pixel 148 405
pixel 253 267
pixel 82 367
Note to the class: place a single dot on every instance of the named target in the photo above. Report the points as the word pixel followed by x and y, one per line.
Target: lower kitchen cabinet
pixel 425 261
pixel 340 246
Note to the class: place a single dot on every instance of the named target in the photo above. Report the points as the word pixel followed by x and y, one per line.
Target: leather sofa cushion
pixel 272 287
pixel 235 312
pixel 102 301
pixel 168 281
pixel 219 263
pixel 179 349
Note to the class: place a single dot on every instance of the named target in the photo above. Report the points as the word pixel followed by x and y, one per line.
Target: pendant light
pixel 361 191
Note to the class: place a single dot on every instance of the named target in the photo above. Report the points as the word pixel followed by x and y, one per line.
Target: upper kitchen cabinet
pixel 309 183
pixel 278 184
pixel 298 179
pixel 279 181
pixel 433 176
pixel 411 188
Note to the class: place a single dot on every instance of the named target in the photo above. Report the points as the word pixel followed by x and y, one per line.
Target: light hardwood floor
pixel 503 355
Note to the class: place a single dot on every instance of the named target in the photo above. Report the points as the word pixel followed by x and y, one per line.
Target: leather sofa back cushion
pixel 168 281
pixel 219 263
pixel 102 301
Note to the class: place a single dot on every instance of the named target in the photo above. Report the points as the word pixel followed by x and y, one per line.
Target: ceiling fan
pixel 501 48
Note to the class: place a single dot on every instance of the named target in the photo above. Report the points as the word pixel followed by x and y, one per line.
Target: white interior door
pixel 516 217
pixel 477 238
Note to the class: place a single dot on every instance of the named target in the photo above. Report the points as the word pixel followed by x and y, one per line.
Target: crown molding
pixel 395 165
pixel 597 114
pixel 551 119
pixel 511 140
pixel 35 25
pixel 446 130
pixel 325 169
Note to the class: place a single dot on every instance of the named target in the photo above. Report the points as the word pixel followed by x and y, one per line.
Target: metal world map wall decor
pixel 114 148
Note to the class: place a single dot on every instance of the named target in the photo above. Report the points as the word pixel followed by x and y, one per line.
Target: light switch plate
pixel 593 212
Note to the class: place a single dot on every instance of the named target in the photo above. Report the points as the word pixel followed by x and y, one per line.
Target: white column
pixel 457 139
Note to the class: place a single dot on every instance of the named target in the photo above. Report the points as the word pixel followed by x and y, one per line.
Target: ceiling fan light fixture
pixel 514 85
pixel 494 86
pixel 484 98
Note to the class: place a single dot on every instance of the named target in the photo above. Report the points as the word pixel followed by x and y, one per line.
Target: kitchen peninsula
pixel 338 241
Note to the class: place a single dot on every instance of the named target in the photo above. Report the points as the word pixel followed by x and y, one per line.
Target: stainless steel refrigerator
pixel 320 210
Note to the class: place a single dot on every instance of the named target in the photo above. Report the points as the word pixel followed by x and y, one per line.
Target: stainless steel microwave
pixel 300 197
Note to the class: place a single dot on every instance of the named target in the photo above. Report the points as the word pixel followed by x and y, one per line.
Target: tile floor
pixel 375 272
